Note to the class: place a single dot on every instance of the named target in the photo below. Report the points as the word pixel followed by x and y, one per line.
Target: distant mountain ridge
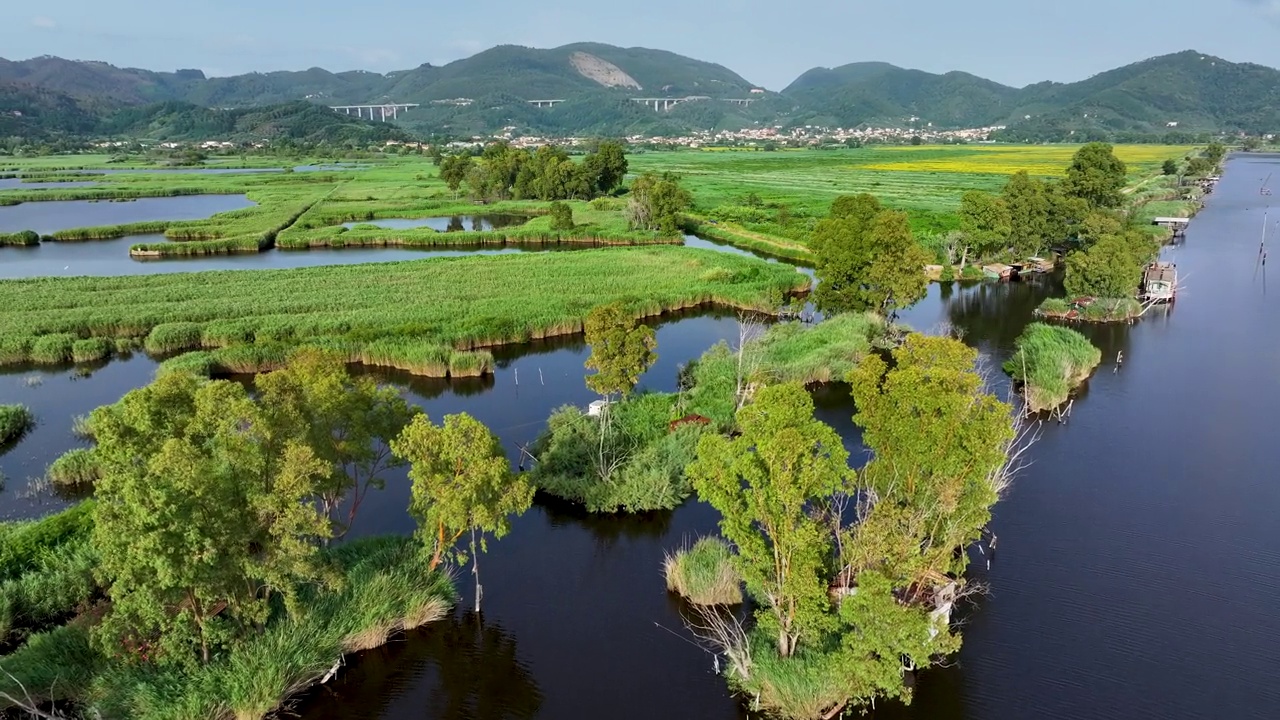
pixel 596 83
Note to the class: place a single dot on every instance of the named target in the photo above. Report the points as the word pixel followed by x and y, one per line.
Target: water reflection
pixel 448 224
pixel 459 668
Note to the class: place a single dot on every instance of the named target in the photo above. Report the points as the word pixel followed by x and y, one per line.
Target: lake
pixel 1137 568
pixel 51 216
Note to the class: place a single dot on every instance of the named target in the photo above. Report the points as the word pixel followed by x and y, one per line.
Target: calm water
pixel 18 184
pixel 455 223
pixel 52 216
pixel 1137 568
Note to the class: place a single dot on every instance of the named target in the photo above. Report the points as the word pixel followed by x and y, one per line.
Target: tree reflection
pixel 460 668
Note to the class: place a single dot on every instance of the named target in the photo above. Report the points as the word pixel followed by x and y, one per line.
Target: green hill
pixel 298 120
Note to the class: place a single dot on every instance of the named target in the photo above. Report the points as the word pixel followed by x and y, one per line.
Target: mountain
pixel 298 120
pixel 880 93
pixel 595 85
pixel 1194 92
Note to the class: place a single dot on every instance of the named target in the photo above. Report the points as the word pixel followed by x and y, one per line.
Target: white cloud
pixel 43 22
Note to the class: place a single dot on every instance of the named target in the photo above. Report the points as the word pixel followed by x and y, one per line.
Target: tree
pixel 986 223
pixel 606 167
pixel 1215 153
pixel 1096 176
pixel 347 421
pixel 202 514
pixel 1111 267
pixel 1065 213
pixel 1170 167
pixel 621 349
pixel 462 483
pixel 1027 200
pixel 656 203
pixel 455 169
pixel 764 483
pixel 939 444
pixel 1200 167
pixel 561 217
pixel 867 258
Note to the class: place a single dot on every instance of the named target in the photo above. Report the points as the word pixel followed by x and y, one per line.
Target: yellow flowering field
pixel 1043 160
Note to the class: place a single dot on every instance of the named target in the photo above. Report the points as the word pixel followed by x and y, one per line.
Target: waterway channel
pixel 1137 568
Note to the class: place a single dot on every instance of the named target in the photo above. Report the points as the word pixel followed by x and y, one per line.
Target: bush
pixel 971 272
pixel 651 459
pixel 1055 306
pixel 15 421
pixel 75 467
pixel 1051 361
pixel 25 238
pixel 561 217
pixel 704 574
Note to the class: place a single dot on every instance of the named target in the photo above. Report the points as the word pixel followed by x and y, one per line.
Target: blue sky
pixel 768 42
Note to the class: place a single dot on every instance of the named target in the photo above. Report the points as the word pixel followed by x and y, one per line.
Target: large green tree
pixel 347 421
pixel 1027 200
pixel 462 484
pixel 202 515
pixel 1096 176
pixel 621 349
pixel 986 222
pixel 1111 267
pixel 606 167
pixel 765 483
pixel 866 258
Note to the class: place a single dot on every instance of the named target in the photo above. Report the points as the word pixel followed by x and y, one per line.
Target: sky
pixel 770 43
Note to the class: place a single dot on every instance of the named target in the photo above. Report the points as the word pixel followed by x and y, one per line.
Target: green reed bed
pixel 822 353
pixel 109 232
pixel 463 303
pixel 704 574
pixel 78 467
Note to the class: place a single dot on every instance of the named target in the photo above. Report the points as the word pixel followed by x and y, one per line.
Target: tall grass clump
pixel 77 467
pixel 173 337
pixel 92 349
pixel 1050 362
pixel 61 583
pixel 15 421
pixel 54 349
pixel 23 544
pixel 704 574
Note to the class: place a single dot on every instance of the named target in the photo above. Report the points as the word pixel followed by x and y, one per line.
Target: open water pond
pixel 454 223
pixel 51 216
pixel 1137 567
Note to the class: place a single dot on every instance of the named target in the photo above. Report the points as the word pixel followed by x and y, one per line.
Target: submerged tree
pixel 764 483
pixel 462 483
pixel 347 421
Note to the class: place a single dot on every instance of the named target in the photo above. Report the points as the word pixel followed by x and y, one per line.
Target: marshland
pixel 564 578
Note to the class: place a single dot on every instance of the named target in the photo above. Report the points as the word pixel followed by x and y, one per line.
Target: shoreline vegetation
pixel 246 321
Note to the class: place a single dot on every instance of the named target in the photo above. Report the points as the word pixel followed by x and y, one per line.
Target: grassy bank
pixel 1050 362
pixel 387 589
pixel 1103 310
pixel 414 315
pixel 826 352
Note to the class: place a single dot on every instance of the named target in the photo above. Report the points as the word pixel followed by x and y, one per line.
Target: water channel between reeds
pixel 1137 564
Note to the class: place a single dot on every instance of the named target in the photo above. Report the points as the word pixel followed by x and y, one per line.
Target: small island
pixel 1049 363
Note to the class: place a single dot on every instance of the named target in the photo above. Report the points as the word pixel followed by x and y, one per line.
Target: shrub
pixel 1055 306
pixel 24 238
pixel 1051 361
pixel 971 272
pixel 561 217
pixel 15 421
pixel 704 574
